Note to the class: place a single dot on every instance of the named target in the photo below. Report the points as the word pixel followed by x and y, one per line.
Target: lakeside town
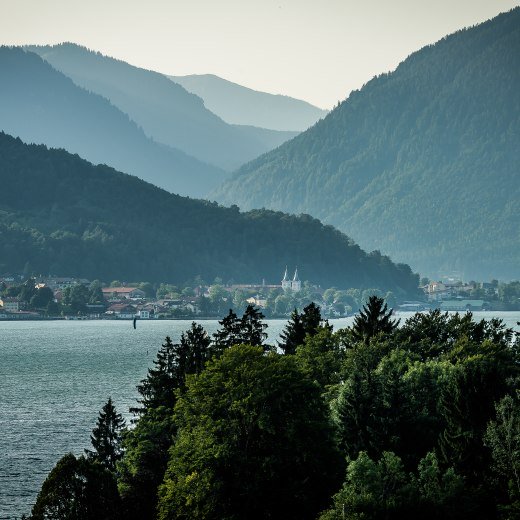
pixel 52 297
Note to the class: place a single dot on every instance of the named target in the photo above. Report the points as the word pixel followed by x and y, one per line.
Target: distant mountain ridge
pixel 421 163
pixel 67 216
pixel 241 105
pixel 41 105
pixel 164 110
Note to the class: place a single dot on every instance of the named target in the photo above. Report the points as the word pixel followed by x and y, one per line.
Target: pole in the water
pixel 135 321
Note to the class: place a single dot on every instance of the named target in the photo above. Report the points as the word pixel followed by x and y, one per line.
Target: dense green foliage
pixel 146 445
pixel 503 438
pixel 254 442
pixel 41 105
pixel 66 216
pixel 78 489
pixel 424 418
pixel 163 109
pixel 420 163
pixel 384 490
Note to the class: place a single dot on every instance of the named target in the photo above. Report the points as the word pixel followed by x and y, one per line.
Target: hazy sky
pixel 317 50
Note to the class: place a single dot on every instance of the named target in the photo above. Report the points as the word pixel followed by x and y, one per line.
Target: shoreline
pixel 4 317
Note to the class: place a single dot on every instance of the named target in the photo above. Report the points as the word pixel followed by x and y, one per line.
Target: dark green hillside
pixel 165 110
pixel 64 215
pixel 41 105
pixel 422 163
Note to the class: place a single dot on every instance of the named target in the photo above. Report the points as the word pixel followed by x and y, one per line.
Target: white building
pixel 10 304
pixel 294 285
pixel 286 282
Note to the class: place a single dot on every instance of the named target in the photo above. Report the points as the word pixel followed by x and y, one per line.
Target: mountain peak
pixel 419 163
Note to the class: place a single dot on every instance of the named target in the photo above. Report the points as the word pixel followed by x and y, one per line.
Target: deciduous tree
pixel 78 489
pixel 254 442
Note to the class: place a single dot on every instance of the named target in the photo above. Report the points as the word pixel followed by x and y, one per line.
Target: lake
pixel 56 375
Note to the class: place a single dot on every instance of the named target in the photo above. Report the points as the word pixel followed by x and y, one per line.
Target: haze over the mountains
pixel 164 110
pixel 41 105
pixel 244 106
pixel 421 163
pixel 68 216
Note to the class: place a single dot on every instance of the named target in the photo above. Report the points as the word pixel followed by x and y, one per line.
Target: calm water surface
pixel 56 375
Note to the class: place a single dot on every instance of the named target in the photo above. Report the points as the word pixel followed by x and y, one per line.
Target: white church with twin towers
pixel 294 285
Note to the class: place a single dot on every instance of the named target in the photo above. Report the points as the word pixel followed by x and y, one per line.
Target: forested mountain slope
pixel 41 105
pixel 163 109
pixel 244 106
pixel 67 216
pixel 421 163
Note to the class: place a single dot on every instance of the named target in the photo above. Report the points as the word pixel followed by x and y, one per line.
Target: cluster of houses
pixel 119 302
pixel 454 295
pixel 131 302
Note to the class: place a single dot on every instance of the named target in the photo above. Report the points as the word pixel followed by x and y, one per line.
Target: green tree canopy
pixel 503 438
pixel 383 490
pixel 254 442
pixel 143 466
pixel 78 489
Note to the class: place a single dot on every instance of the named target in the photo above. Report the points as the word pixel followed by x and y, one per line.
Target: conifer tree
pixel 308 322
pixel 247 330
pixel 106 437
pixel 311 318
pixel 372 320
pixel 194 351
pixel 158 389
pixel 228 334
pixel 293 334
pixel 252 328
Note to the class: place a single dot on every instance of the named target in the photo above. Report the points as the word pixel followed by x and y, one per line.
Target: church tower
pixel 286 283
pixel 296 284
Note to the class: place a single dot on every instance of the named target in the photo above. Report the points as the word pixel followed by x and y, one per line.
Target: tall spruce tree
pixel 252 329
pixel 311 318
pixel 158 389
pixel 373 319
pixel 228 333
pixel 195 348
pixel 301 324
pixel 293 334
pixel 106 437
